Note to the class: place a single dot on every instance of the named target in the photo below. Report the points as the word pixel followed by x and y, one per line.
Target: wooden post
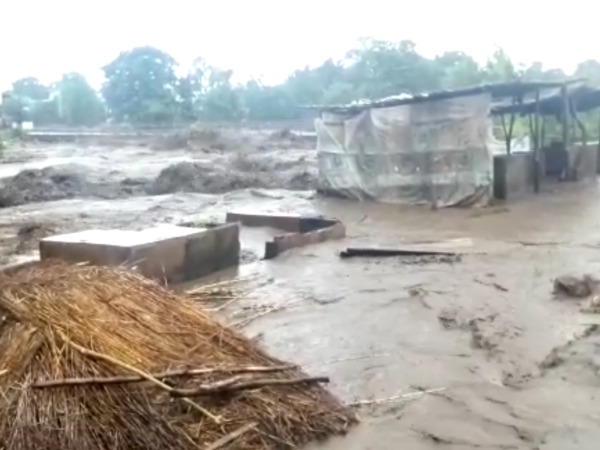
pixel 511 127
pixel 565 124
pixel 543 132
pixel 509 132
pixel 536 144
pixel 505 131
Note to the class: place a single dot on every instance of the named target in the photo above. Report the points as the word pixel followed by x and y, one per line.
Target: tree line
pixel 142 86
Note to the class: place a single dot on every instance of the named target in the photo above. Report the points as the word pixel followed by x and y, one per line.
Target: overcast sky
pixel 270 38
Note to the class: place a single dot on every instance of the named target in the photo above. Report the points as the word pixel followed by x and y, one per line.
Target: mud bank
pixel 241 171
pixel 37 173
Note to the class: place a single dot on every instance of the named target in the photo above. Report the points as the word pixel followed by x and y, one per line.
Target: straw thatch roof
pixel 98 358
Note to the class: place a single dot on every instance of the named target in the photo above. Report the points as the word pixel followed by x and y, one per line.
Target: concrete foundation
pixel 513 175
pixel 583 161
pixel 167 253
pixel 300 230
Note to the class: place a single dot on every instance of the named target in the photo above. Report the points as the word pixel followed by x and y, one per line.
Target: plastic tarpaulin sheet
pixel 432 153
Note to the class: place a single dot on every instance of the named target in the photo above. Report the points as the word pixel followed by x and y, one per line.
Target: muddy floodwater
pixel 476 353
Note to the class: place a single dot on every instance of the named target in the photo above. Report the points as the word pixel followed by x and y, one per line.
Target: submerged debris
pixel 406 256
pixel 576 287
pixel 30 234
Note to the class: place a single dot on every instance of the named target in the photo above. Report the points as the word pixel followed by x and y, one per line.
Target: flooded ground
pixel 471 354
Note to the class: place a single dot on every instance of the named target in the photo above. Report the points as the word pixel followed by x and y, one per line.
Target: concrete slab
pixel 168 253
pixel 126 238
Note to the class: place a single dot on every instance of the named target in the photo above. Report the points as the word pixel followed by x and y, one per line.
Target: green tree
pixel 308 85
pixel 220 101
pixel 30 88
pixel 537 72
pixel 78 102
pixel 141 86
pixel 381 68
pixel 590 71
pixel 14 108
pixel 457 69
pixel 260 102
pixel 190 90
pixel 18 104
pixel 500 67
pixel 45 112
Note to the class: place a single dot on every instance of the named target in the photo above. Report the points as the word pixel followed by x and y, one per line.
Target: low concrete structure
pixel 300 230
pixel 584 162
pixel 513 175
pixel 168 253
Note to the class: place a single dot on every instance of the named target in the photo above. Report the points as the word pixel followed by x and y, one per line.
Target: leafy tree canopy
pixel 78 102
pixel 141 86
pixel 30 88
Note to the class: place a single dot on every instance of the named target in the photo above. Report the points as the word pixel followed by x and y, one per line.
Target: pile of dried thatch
pixel 98 358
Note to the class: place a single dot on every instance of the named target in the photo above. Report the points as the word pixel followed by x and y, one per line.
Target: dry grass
pixel 61 322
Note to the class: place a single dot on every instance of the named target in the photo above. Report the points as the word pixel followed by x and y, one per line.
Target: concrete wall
pixel 513 175
pixel 583 161
pixel 301 231
pixel 290 222
pixel 287 241
pixel 174 255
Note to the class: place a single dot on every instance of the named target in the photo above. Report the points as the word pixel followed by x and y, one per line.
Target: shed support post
pixel 536 144
pixel 565 125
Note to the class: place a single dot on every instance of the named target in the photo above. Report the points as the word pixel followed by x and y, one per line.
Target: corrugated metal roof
pixel 496 90
pixel 582 98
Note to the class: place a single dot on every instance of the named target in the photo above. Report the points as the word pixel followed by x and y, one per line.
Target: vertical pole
pixel 511 127
pixel 565 125
pixel 536 144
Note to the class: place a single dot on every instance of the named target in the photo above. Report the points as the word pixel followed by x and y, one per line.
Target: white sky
pixel 271 38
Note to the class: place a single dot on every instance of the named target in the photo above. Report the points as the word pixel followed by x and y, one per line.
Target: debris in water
pixel 408 256
pixel 592 306
pixel 366 252
pixel 575 287
pixel 497 286
pixel 29 235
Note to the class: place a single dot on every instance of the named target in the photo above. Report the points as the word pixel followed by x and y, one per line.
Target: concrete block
pixel 167 253
pixel 216 249
pixel 513 175
pixel 584 162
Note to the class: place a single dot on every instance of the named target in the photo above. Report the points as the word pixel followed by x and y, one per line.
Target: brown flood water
pixel 478 329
